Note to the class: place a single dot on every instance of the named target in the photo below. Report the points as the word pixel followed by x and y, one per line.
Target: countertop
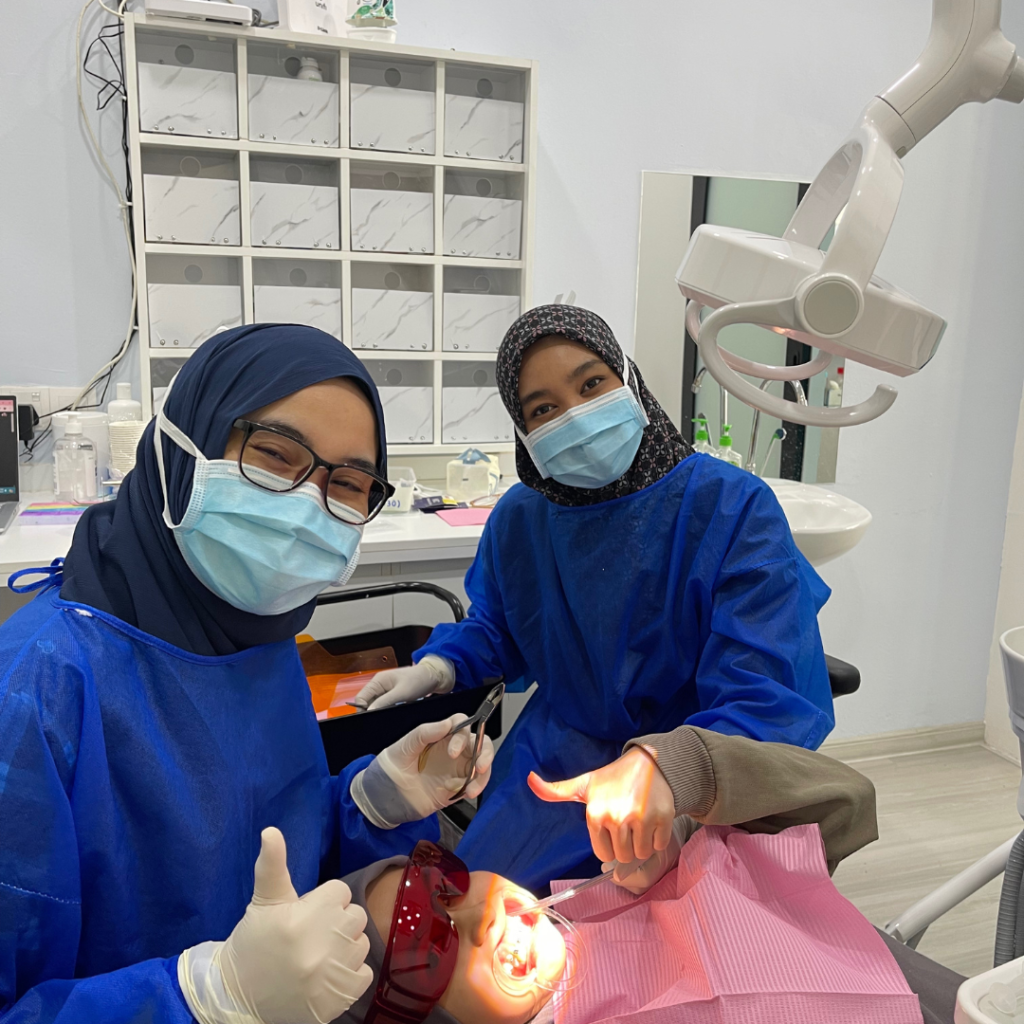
pixel 391 537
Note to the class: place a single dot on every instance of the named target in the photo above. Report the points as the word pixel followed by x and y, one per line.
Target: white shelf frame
pixel 241 147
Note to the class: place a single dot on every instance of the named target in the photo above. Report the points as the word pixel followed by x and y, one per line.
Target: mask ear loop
pixel 165 426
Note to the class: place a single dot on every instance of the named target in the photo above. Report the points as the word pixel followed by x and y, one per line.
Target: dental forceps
pixel 483 713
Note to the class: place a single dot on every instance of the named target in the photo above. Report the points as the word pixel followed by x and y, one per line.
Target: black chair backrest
pixel 843 677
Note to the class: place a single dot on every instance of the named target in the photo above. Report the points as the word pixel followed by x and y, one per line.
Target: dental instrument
pixel 481 717
pixel 778 435
pixel 833 301
pixel 567 894
pixel 723 395
pixel 755 425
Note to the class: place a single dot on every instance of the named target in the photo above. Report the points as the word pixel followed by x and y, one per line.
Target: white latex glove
pixel 431 675
pixel 392 790
pixel 288 961
pixel 640 879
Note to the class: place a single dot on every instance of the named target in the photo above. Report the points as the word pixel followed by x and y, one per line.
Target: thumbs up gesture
pixel 290 960
pixel 630 806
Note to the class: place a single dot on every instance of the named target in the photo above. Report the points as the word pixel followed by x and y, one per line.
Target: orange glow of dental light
pixel 541 949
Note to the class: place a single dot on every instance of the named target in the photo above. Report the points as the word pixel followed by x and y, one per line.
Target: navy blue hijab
pixel 124 560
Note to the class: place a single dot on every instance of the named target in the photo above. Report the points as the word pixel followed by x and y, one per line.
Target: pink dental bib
pixel 748 930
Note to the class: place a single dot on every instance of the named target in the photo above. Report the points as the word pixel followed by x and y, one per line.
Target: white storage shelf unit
pixel 381 193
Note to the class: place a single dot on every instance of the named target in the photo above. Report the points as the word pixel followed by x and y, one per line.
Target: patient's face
pixel 474 995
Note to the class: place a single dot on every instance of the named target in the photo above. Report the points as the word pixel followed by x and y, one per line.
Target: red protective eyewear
pixel 423 944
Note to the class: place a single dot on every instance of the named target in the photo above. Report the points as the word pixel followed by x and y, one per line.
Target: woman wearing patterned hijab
pixel 641 585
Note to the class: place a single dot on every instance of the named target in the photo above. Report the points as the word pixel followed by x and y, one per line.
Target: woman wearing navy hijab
pixel 155 722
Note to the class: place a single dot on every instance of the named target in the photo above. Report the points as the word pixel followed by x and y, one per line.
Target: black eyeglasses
pixel 276 461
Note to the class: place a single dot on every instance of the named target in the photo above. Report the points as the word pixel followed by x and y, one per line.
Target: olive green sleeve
pixel 765 787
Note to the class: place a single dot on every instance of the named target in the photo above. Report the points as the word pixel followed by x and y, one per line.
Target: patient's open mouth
pixel 516 950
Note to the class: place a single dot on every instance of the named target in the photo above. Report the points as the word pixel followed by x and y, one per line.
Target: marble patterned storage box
pixel 477 323
pixel 392 319
pixel 408 414
pixel 473 415
pixel 392 106
pixel 186 315
pixel 482 226
pixel 291 110
pixel 287 304
pixel 393 120
pixel 483 129
pixel 191 210
pixel 187 101
pixel 386 220
pixel 296 216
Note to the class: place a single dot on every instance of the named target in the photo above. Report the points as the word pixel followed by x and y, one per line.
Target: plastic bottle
pixel 309 70
pixel 834 389
pixel 726 452
pixel 124 407
pixel 74 465
pixel 124 430
pixel 701 442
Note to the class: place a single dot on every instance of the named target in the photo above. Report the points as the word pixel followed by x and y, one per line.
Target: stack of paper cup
pixel 124 439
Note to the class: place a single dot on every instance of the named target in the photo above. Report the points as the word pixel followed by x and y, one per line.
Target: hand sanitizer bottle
pixel 701 443
pixel 726 452
pixel 74 465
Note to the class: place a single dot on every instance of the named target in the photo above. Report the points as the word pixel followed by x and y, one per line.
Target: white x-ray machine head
pixel 833 300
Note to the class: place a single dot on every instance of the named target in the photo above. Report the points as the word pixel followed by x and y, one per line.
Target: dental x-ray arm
pixel 832 300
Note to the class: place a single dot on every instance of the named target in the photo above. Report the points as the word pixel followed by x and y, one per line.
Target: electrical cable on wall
pixel 116 87
pixel 110 87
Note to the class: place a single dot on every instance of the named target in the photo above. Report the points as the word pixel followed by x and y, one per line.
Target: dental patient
pixel 435 928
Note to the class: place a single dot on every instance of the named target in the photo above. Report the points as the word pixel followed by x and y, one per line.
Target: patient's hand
pixel 474 996
pixel 630 806
pixel 639 879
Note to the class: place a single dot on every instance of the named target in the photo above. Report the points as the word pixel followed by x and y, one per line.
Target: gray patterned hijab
pixel 662 447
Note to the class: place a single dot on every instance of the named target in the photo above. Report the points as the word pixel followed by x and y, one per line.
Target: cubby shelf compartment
pixel 343 185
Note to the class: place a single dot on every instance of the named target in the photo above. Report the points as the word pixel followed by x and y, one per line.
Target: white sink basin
pixel 825 525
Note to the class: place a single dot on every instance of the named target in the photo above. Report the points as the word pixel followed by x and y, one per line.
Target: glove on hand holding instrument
pixel 395 685
pixel 393 789
pixel 290 960
pixel 630 807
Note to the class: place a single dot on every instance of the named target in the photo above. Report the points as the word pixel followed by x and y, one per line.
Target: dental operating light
pixel 833 301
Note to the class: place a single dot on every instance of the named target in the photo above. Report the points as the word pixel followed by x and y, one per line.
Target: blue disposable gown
pixel 686 602
pixel 135 779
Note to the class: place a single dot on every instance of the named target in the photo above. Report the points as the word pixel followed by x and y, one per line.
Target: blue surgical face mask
pixel 590 445
pixel 262 552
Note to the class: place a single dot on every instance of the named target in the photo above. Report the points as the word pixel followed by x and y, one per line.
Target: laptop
pixel 10 495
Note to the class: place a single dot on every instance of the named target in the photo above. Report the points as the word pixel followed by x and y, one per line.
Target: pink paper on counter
pixel 748 930
pixel 464 516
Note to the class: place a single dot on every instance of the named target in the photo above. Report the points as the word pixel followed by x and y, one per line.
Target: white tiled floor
pixel 938 811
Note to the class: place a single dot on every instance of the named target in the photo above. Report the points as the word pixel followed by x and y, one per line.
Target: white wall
pixel 733 87
pixel 914 604
pixel 1009 608
pixel 65 282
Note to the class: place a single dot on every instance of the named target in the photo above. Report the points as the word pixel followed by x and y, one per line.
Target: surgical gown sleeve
pixel 762 671
pixel 78 836
pixel 481 645
pixel 355 842
pixel 41 919
pixel 146 991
